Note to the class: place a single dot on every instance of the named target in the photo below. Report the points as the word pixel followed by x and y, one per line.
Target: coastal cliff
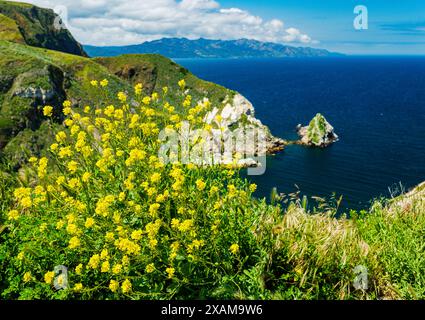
pixel 34 26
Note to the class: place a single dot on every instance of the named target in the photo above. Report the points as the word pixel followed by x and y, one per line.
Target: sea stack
pixel 319 133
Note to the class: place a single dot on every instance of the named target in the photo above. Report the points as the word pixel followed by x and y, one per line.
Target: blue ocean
pixel 376 104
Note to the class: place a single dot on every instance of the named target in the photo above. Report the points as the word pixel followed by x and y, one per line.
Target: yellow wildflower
pixel 110 236
pixel 153 209
pixel 65 152
pixel 126 286
pixel 138 89
pixel 150 268
pixel 104 255
pixel 122 97
pixel 20 256
pixel 78 287
pixel 153 243
pixel 74 243
pixel 186 225
pixel 48 111
pixel 114 286
pixel 72 166
pixel 90 222
pixel 182 84
pixel 170 272
pixel 125 261
pixel 175 223
pixel 60 137
pixel 137 235
pixel 117 269
pixel 42 167
pixel 156 177
pixel 27 277
pixel 26 202
pixel 67 111
pixel 79 269
pixel 48 277
pixel 105 267
pixel 86 177
pixel 146 100
pixel 54 147
pixel 72 228
pixel 234 248
pixel 232 191
pixel 13 215
pixel 200 185
pixel 94 262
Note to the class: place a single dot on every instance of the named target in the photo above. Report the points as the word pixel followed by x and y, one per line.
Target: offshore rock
pixel 319 133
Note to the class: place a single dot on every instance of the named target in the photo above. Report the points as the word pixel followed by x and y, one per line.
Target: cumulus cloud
pixel 119 22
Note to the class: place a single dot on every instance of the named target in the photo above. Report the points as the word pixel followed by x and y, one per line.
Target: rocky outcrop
pixel 238 122
pixel 24 95
pixel 319 133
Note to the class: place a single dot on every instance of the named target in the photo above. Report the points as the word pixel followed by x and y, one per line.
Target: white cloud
pixel 119 22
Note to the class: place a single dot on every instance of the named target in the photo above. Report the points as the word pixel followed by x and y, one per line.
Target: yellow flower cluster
pixel 124 218
pixel 48 111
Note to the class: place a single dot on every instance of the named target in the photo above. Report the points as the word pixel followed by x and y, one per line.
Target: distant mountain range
pixel 204 48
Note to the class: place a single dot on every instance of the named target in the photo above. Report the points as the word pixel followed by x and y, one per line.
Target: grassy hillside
pixel 9 30
pixel 155 72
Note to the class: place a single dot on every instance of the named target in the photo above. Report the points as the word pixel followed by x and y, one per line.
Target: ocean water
pixel 376 104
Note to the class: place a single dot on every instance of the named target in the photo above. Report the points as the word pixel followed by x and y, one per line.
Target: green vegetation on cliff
pixel 37 27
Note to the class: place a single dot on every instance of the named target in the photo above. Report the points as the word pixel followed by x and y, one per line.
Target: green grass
pixel 16 4
pixel 155 72
pixel 9 30
pixel 397 236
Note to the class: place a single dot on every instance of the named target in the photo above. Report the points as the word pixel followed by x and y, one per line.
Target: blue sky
pixel 395 26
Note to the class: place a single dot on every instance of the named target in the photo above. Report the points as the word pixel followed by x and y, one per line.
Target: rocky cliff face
pixel 34 26
pixel 239 114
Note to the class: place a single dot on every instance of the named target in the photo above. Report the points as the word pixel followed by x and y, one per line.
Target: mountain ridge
pixel 178 48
